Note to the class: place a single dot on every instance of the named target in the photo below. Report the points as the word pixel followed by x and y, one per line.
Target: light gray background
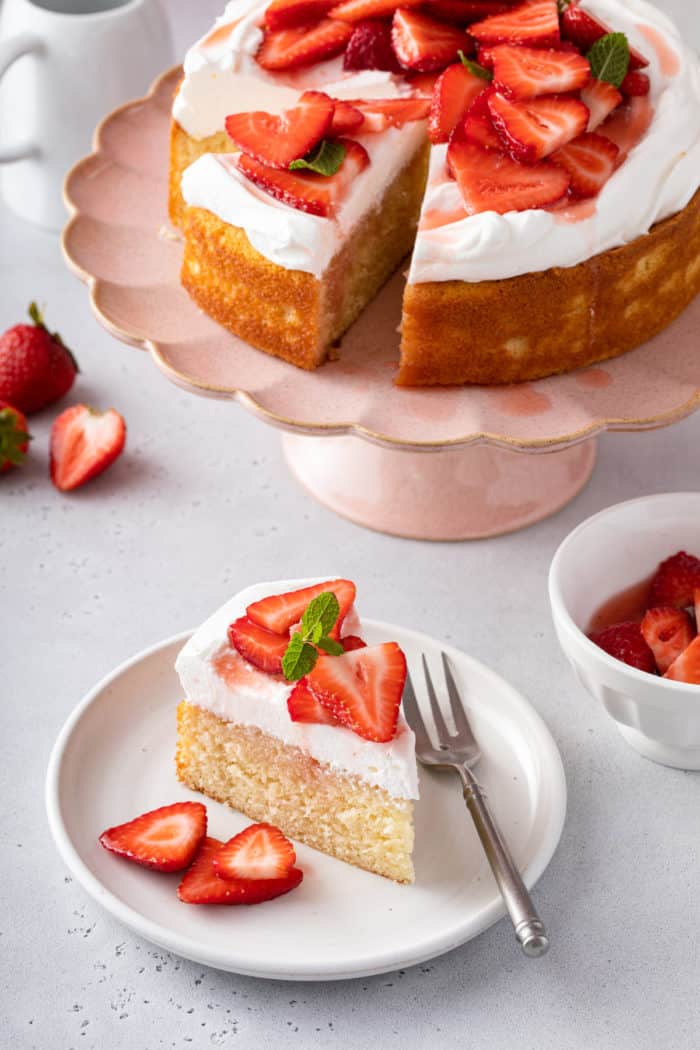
pixel 200 505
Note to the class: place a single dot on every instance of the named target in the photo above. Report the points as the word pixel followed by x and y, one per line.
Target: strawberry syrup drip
pixel 630 604
pixel 668 60
pixel 219 35
pixel 435 218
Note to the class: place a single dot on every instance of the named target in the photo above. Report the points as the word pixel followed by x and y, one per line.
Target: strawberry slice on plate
pixel 263 649
pixel 491 181
pixel 351 641
pixel 582 29
pixel 359 10
pixel 590 160
pixel 382 113
pixel 165 839
pixel 346 119
pixel 675 581
pixel 454 91
pixel 625 642
pixel 668 632
pixel 305 190
pixel 477 125
pixel 260 851
pixel 686 667
pixel 369 47
pixel 283 14
pixel 425 44
pixel 279 612
pixel 278 140
pixel 201 884
pixel 601 99
pixel 532 130
pixel 304 706
pixel 362 689
pixel 303 45
pixel 525 72
pixel 534 23
pixel 84 443
pixel 462 12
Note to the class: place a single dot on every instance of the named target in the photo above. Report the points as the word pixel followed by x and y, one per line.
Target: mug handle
pixel 10 51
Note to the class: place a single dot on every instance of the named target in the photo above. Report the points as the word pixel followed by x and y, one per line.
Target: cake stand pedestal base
pixel 458 494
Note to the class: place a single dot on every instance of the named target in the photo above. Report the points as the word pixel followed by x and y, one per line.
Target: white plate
pixel 114 759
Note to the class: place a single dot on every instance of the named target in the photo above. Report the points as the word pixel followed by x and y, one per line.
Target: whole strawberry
pixel 35 367
pixel 14 437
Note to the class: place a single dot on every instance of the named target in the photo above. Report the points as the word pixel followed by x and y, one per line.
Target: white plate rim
pixel 385 962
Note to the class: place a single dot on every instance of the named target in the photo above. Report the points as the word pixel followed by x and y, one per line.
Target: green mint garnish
pixel 474 67
pixel 324 160
pixel 609 58
pixel 319 619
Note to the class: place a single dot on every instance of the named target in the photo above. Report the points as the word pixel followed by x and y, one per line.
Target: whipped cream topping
pixel 656 180
pixel 217 679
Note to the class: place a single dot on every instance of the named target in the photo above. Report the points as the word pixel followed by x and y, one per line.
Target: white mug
pixel 64 64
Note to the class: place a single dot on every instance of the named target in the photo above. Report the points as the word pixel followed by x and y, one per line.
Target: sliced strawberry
pixel 278 140
pixel 462 12
pixel 264 649
pixel 675 581
pixel 369 47
pixel 590 161
pixel 305 190
pixel 697 608
pixel 484 57
pixel 363 689
pixel 491 181
pixel 425 43
pixel 635 83
pixel 279 612
pixel 84 442
pixel 686 667
pixel 535 23
pixel 667 631
pixel 304 706
pixel 534 129
pixel 383 113
pixel 583 30
pixel 477 125
pixel 201 884
pixel 524 72
pixel 283 14
pixel 303 45
pixel 624 641
pixel 422 84
pixel 601 99
pixel 359 10
pixel 455 90
pixel 346 119
pixel 351 642
pixel 165 839
pixel 260 851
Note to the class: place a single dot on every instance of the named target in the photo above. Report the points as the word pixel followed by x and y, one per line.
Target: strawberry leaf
pixel 609 58
pixel 474 67
pixel 324 160
pixel 13 438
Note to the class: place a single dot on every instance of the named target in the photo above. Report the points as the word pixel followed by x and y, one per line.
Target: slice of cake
pixel 290 718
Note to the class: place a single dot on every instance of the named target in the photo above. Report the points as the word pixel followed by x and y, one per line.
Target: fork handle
pixel 529 928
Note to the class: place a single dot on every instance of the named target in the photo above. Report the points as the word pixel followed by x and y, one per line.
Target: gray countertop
pixel 200 505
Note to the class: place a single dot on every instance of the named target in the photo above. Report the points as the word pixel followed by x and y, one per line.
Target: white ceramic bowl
pixel 606 554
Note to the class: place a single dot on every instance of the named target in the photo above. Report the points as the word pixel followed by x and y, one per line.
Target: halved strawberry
pixel 165 839
pixel 455 90
pixel 425 43
pixel 686 667
pixel 362 689
pixel 462 12
pixel 477 125
pixel 383 113
pixel 359 10
pixel 369 47
pixel 303 45
pixel 278 140
pixel 535 23
pixel 624 641
pixel 351 641
pixel 635 83
pixel 532 130
pixel 304 706
pixel 667 631
pixel 675 581
pixel 282 14
pixel 279 612
pixel 305 190
pixel 84 443
pixel 583 29
pixel 260 851
pixel 524 72
pixel 264 649
pixel 601 99
pixel 491 181
pixel 201 884
pixel 590 161
pixel 346 119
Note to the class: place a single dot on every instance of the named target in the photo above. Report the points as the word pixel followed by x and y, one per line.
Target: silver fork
pixel 460 752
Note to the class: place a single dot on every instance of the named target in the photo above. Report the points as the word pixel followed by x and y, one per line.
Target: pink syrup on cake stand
pixel 438 464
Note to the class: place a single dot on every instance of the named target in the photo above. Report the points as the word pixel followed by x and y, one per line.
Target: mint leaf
pixel 474 67
pixel 324 610
pixel 609 58
pixel 324 160
pixel 299 659
pixel 329 645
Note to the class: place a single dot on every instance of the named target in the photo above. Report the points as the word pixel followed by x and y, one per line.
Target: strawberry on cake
pixel 292 719
pixel 560 223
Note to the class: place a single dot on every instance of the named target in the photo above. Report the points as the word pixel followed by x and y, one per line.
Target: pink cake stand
pixel 352 438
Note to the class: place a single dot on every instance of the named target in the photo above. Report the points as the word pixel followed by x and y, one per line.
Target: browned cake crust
pixel 539 324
